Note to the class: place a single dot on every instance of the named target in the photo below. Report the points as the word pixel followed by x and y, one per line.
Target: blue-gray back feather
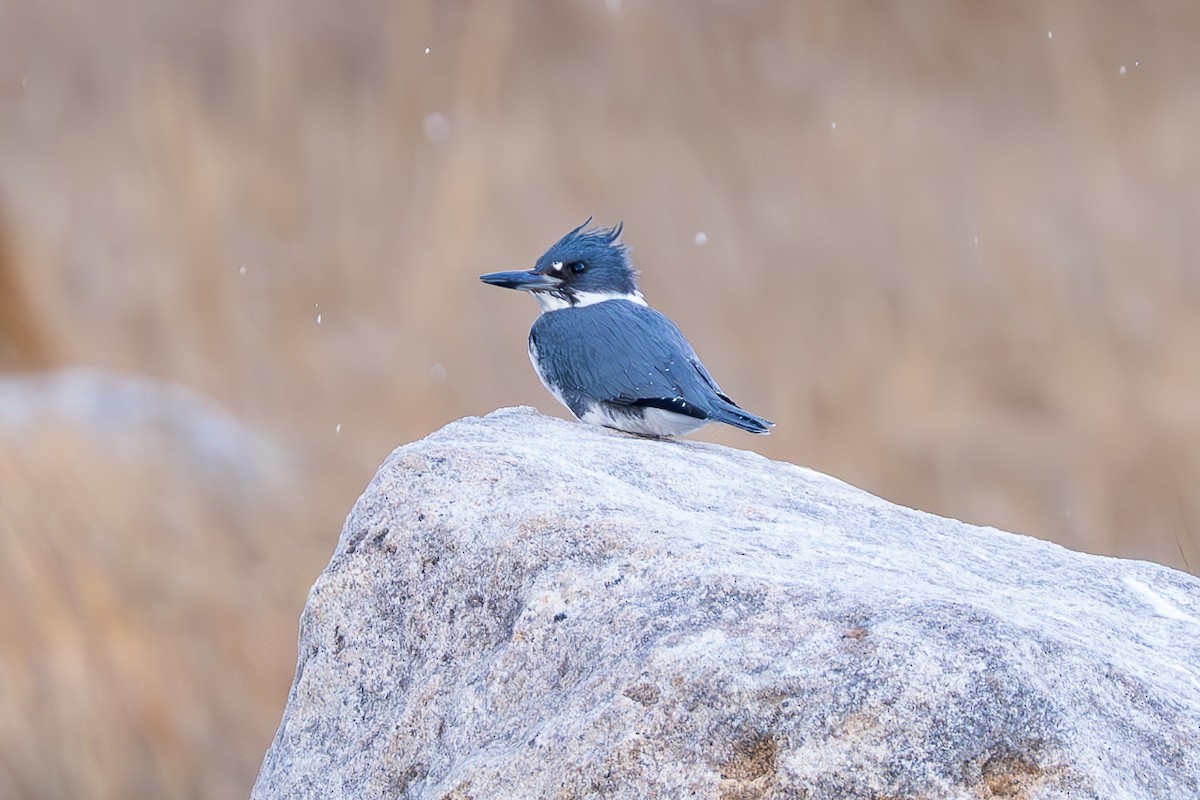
pixel 625 353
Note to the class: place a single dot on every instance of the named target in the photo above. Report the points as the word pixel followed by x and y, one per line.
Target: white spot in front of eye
pixel 557 266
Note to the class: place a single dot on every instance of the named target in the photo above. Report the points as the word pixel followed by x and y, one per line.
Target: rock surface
pixel 524 607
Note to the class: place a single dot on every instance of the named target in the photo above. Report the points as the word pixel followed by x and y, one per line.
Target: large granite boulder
pixel 521 607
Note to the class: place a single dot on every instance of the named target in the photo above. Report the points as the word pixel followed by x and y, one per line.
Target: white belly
pixel 649 422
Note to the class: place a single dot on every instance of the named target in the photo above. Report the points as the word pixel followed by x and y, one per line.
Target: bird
pixel 605 354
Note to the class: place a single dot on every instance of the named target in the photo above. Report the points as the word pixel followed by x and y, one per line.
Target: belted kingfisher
pixel 605 354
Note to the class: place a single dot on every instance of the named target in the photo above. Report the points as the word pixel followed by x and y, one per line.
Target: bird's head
pixel 583 267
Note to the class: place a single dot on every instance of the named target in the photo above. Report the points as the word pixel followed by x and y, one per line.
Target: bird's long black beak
pixel 525 280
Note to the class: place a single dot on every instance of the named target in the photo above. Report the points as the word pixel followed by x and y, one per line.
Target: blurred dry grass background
pixel 952 249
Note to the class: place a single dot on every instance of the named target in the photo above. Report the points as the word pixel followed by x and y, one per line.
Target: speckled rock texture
pixel 522 607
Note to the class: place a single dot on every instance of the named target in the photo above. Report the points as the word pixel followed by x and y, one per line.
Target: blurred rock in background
pixel 951 249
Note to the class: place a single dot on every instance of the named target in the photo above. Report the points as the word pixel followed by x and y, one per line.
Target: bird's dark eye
pixel 579 266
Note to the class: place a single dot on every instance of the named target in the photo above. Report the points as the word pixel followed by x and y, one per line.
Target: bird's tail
pixel 731 414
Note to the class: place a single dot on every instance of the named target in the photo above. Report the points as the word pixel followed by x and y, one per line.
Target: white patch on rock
pixel 1159 603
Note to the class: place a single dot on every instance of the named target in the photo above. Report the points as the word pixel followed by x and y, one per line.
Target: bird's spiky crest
pixel 602 236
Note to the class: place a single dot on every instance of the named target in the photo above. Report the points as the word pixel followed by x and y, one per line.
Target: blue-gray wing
pixel 621 352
